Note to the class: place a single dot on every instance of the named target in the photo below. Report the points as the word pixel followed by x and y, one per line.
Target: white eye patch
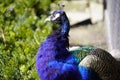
pixel 56 16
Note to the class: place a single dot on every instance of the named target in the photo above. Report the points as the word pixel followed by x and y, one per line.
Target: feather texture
pixel 81 52
pixel 102 63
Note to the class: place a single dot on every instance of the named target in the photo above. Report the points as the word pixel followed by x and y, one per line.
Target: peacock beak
pixel 48 19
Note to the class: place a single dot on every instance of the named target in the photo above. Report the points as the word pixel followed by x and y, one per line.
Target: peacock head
pixel 58 17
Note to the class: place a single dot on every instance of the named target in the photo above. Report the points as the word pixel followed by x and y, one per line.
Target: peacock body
pixel 54 60
pixel 102 63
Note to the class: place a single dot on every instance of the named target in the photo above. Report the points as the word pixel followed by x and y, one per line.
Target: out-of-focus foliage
pixel 22 29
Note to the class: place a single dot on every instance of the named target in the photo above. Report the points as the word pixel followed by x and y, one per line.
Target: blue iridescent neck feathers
pixel 53 51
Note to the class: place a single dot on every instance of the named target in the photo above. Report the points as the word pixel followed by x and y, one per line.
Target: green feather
pixel 82 52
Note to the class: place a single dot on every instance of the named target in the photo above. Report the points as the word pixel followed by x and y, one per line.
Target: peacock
pixel 54 60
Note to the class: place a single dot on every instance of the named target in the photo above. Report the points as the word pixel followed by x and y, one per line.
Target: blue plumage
pixel 54 61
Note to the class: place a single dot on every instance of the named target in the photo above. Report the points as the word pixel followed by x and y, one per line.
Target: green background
pixel 22 29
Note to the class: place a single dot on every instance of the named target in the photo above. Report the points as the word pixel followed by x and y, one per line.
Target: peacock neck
pixel 56 45
pixel 62 41
pixel 64 26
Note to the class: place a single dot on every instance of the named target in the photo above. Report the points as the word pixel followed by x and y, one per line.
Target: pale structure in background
pixel 113 26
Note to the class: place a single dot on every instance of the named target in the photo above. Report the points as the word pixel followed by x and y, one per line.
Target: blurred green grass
pixel 22 30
